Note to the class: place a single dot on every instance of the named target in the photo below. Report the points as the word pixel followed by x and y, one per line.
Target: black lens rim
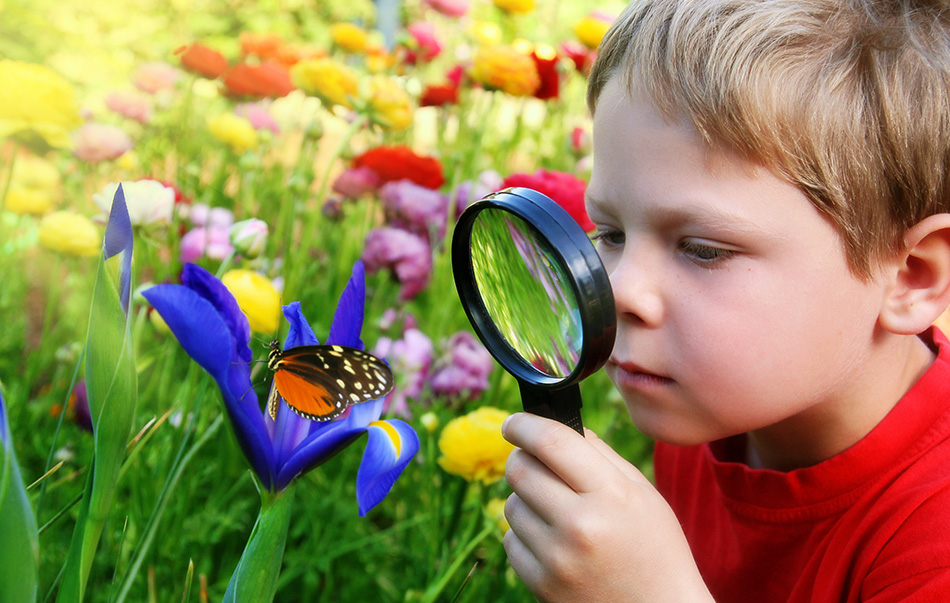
pixel 586 273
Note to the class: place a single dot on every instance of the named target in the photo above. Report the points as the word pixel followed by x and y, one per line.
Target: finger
pixel 625 466
pixel 522 560
pixel 572 458
pixel 538 487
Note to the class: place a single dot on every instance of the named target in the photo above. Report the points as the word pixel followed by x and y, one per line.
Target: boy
pixel 771 189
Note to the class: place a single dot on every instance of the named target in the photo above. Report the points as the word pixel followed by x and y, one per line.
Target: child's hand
pixel 586 525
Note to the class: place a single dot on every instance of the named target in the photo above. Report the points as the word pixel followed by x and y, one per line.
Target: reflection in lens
pixel 526 291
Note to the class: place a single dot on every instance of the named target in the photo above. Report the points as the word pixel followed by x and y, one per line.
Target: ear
pixel 920 287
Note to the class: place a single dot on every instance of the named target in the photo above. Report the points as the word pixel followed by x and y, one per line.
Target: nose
pixel 637 288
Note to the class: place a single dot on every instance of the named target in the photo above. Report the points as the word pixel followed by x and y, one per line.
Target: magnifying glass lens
pixel 527 292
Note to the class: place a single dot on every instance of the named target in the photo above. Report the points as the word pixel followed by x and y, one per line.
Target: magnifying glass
pixel 537 296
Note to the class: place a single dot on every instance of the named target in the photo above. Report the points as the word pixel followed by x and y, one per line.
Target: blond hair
pixel 847 99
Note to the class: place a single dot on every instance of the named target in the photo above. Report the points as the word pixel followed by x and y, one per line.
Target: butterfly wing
pixel 319 381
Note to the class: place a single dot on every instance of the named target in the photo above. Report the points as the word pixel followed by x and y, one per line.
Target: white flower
pixel 149 201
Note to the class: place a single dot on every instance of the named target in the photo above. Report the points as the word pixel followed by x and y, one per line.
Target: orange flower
pixel 332 82
pixel 261 45
pixel 202 60
pixel 267 80
pixel 504 68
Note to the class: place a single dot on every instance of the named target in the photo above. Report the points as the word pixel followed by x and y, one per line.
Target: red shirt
pixel 869 524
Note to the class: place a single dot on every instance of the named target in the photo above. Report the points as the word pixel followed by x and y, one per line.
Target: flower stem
pixel 433 592
pixel 8 181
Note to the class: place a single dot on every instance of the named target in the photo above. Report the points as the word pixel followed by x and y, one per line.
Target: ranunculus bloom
pixel 405 254
pixel 425 44
pixel 590 30
pixel 70 233
pixel 566 189
pixel 415 208
pixel 581 56
pixel 35 99
pixel 249 237
pixel 504 68
pixel 256 296
pixel 472 446
pixel 389 104
pixel 202 60
pixel 409 358
pixel 353 183
pixel 212 242
pixel 438 95
pixel 546 62
pixel 449 8
pixel 349 37
pixel 400 162
pixel 236 132
pixel 35 186
pixel 469 192
pixel 154 76
pixel 259 116
pixel 267 80
pixel 465 372
pixel 261 45
pixel 516 7
pixel 332 82
pixel 131 105
pixel 100 142
pixel 148 201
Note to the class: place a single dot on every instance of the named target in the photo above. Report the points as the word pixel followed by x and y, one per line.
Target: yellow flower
pixel 472 446
pixel 33 98
pixel 35 186
pixel 330 81
pixel 486 33
pixel 257 298
pixel 590 30
pixel 389 104
pixel 504 68
pixel 495 510
pixel 349 37
pixel 233 130
pixel 70 233
pixel 516 7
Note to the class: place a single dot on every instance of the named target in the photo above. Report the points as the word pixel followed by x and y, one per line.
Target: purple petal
pixel 291 428
pixel 348 319
pixel 212 289
pixel 392 444
pixel 300 332
pixel 3 422
pixel 118 239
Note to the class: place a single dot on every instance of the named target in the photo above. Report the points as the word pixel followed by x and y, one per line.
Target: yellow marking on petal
pixel 391 432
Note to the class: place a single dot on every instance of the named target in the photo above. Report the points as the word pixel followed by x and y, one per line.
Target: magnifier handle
pixel 562 405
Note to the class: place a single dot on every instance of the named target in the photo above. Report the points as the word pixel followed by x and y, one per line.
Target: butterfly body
pixel 319 382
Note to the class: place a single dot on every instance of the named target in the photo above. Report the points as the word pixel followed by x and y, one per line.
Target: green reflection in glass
pixel 526 291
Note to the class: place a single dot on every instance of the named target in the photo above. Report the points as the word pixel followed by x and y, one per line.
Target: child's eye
pixel 609 237
pixel 706 255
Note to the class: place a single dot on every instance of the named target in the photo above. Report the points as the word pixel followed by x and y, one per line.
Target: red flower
pixel 580 55
pixel 437 95
pixel 566 189
pixel 267 80
pixel 400 163
pixel 202 60
pixel 546 62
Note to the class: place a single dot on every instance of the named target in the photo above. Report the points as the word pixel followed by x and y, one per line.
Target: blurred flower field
pixel 267 152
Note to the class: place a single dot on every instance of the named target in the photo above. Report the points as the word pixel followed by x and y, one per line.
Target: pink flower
pixel 409 358
pixel 152 77
pixel 131 105
pixel 425 44
pixel 99 142
pixel 258 115
pixel 449 8
pixel 355 182
pixel 415 208
pixel 467 370
pixel 469 192
pixel 212 242
pixel 405 254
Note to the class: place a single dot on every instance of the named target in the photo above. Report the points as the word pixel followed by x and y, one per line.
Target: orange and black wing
pixel 319 381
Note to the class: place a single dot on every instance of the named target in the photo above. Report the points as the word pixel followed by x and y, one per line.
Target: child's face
pixel 736 309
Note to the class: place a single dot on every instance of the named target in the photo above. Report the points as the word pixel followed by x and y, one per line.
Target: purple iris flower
pixel 205 318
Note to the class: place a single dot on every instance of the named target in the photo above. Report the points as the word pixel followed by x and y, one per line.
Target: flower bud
pixel 249 237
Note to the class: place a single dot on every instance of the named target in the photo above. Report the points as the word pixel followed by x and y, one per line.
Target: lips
pixel 632 375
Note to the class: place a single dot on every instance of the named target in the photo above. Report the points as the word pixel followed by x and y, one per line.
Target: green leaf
pixel 19 554
pixel 255 578
pixel 111 387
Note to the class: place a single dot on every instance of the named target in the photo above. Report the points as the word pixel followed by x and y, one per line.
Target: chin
pixel 669 429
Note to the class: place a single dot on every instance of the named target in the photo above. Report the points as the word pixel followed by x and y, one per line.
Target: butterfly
pixel 319 382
